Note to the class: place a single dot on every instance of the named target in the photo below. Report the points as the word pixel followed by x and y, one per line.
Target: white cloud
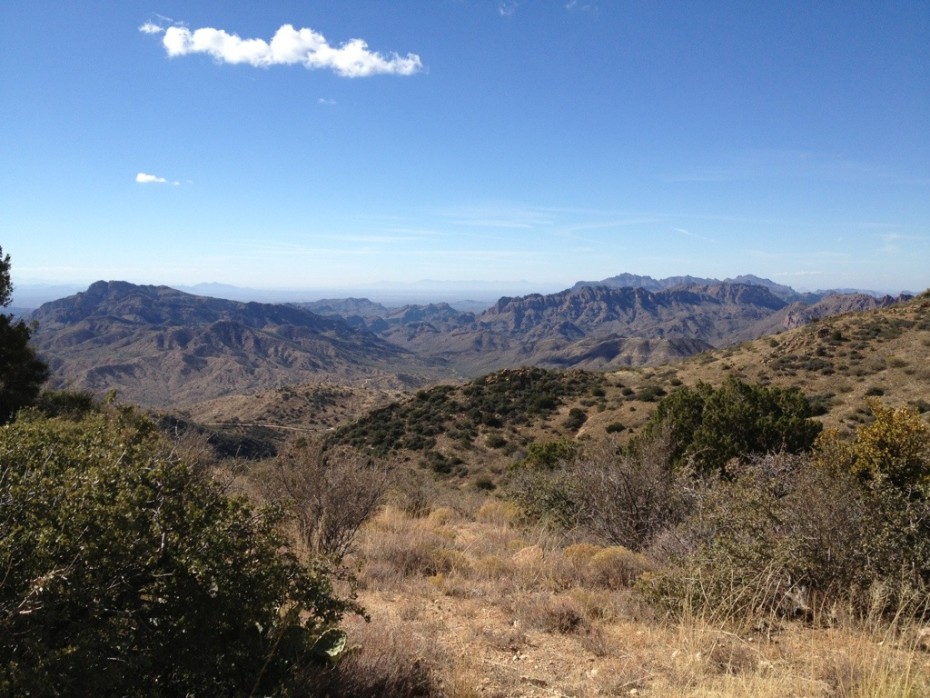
pixel 289 46
pixel 507 9
pixel 150 28
pixel 582 6
pixel 144 178
pixel 326 102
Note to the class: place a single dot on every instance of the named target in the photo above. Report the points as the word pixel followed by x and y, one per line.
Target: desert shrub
pixel 758 542
pixel 442 516
pixel 552 614
pixel 921 405
pixel 407 552
pixel 128 572
pixel 576 419
pixel 894 449
pixel 496 441
pixel 627 498
pixel 890 460
pixel 788 534
pixel 386 662
pixel 616 567
pixel 442 464
pixel 542 486
pixel 820 404
pixel 649 393
pixel 709 426
pixel 413 494
pixel 71 404
pixel 498 512
pixel 330 493
pixel 549 454
pixel 614 427
pixel 545 495
pixel 485 483
pixel 580 554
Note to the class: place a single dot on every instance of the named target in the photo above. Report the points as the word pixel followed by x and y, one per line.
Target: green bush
pixel 66 403
pixel 848 524
pixel 127 572
pixel 778 535
pixel 710 426
pixel 576 419
pixel 549 454
pixel 542 485
pixel 22 373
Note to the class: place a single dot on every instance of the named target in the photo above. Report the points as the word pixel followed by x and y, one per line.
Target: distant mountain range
pixel 622 321
pixel 159 346
pixel 786 293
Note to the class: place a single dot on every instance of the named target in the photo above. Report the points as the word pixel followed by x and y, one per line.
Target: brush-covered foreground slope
pixel 157 346
pixel 476 429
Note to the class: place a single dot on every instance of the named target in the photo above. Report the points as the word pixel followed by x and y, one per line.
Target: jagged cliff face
pixel 799 314
pixel 708 312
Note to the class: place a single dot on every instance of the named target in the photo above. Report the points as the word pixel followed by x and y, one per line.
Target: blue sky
pixel 342 144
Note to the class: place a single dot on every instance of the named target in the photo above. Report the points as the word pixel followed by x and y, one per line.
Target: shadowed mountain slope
pixel 600 327
pixel 159 346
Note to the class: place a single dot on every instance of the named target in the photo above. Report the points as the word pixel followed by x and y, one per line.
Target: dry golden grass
pixel 482 607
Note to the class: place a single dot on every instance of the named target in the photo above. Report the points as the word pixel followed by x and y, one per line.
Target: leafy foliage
pixel 542 484
pixel 22 373
pixel 548 455
pixel 127 572
pixel 710 425
pixel 894 449
pixel 850 522
pixel 755 541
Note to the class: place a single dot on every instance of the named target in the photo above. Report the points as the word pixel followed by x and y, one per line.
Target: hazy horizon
pixel 33 293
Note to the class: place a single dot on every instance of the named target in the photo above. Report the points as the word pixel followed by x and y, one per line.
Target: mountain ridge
pixel 158 345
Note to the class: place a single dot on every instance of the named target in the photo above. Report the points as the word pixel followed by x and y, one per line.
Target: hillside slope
pixel 476 429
